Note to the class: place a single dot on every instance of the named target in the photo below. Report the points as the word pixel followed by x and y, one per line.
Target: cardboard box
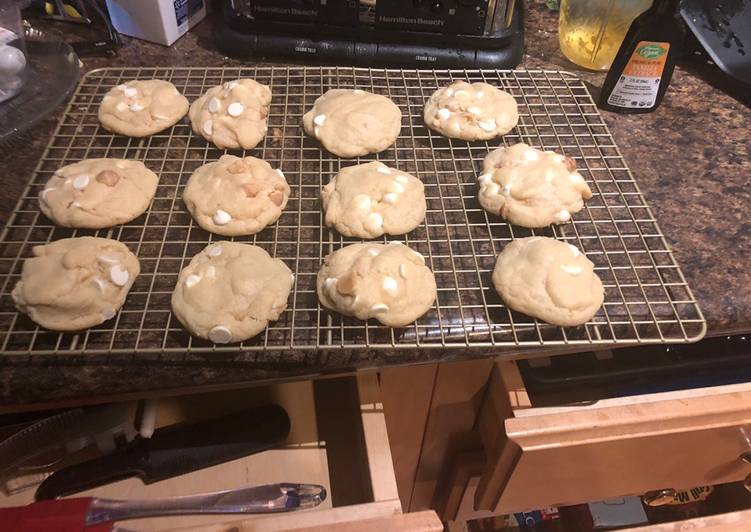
pixel 159 21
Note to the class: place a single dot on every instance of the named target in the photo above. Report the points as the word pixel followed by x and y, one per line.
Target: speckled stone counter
pixel 691 159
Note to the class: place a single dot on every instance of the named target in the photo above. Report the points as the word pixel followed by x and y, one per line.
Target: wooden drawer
pixel 338 438
pixel 539 457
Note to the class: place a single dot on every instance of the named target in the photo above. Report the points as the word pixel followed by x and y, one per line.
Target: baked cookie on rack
pixel 388 282
pixel 75 283
pixel 548 279
pixel 369 200
pixel 471 111
pixel 531 187
pixel 236 196
pixel 140 108
pixel 233 114
pixel 353 122
pixel 97 193
pixel 230 291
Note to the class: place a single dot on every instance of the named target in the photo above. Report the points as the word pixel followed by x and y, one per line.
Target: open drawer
pixel 338 438
pixel 539 457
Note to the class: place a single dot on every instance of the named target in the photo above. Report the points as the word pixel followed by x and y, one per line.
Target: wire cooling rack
pixel 647 299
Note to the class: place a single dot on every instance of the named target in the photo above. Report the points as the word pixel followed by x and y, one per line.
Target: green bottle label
pixel 650 51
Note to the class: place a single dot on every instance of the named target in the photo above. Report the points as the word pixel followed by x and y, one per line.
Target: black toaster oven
pixel 417 33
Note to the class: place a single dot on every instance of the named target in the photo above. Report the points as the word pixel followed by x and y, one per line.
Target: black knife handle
pixel 176 450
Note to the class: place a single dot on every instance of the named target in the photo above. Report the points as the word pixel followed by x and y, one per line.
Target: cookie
pixel 236 196
pixel 75 283
pixel 471 111
pixel 232 115
pixel 372 199
pixel 350 123
pixel 141 108
pixel 531 188
pixel 388 282
pixel 97 193
pixel 230 291
pixel 548 279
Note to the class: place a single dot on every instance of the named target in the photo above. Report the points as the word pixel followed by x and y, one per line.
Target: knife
pixel 97 515
pixel 175 450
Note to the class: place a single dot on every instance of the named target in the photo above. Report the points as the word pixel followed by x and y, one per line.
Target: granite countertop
pixel 691 158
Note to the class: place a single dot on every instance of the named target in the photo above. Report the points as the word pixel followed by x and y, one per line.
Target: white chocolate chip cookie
pixel 97 193
pixel 471 111
pixel 388 282
pixel 371 199
pixel 548 279
pixel 230 291
pixel 236 196
pixel 531 188
pixel 75 283
pixel 350 123
pixel 141 108
pixel 232 115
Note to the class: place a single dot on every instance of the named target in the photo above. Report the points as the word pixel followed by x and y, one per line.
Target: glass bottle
pixel 590 32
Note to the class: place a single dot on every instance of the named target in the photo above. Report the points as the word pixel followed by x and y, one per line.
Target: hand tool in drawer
pixel 176 450
pixel 98 515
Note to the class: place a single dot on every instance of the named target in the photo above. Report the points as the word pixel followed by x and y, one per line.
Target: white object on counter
pixel 159 21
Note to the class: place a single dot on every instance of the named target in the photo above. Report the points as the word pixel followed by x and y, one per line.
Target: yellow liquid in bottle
pixel 591 31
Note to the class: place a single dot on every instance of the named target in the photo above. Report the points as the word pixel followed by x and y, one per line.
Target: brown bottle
pixel 642 69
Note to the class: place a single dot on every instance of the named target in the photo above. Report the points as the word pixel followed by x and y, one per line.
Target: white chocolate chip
pixel 316 131
pixel 479 94
pixel 575 177
pixel 396 243
pixel 374 251
pixel 108 314
pixel 487 125
pixel 235 109
pixel 563 215
pixel 75 205
pixel 373 222
pixel 208 127
pixel 220 335
pixel 390 285
pixel 362 202
pixel 444 113
pixel 531 154
pixel 449 92
pixel 379 307
pixel 279 171
pixel 485 178
pixel 319 120
pixel 474 110
pixel 214 105
pixel 549 175
pixel 403 179
pixel 108 259
pixel 491 189
pixel 221 217
pixel 130 92
pixel 574 250
pixel 215 251
pixel 135 107
pixel 101 285
pixel 160 117
pixel 396 187
pixel 573 270
pixel 210 271
pixel 357 91
pixel 456 128
pixel 419 256
pixel 81 182
pixel 122 87
pixel 121 164
pixel 391 198
pixel 460 92
pixel 119 275
pixel 558 157
pixel 383 169
pixel 121 106
pixel 403 271
pixel 47 191
pixel 192 280
pixel 330 283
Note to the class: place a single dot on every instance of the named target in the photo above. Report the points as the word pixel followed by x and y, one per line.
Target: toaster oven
pixel 421 33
